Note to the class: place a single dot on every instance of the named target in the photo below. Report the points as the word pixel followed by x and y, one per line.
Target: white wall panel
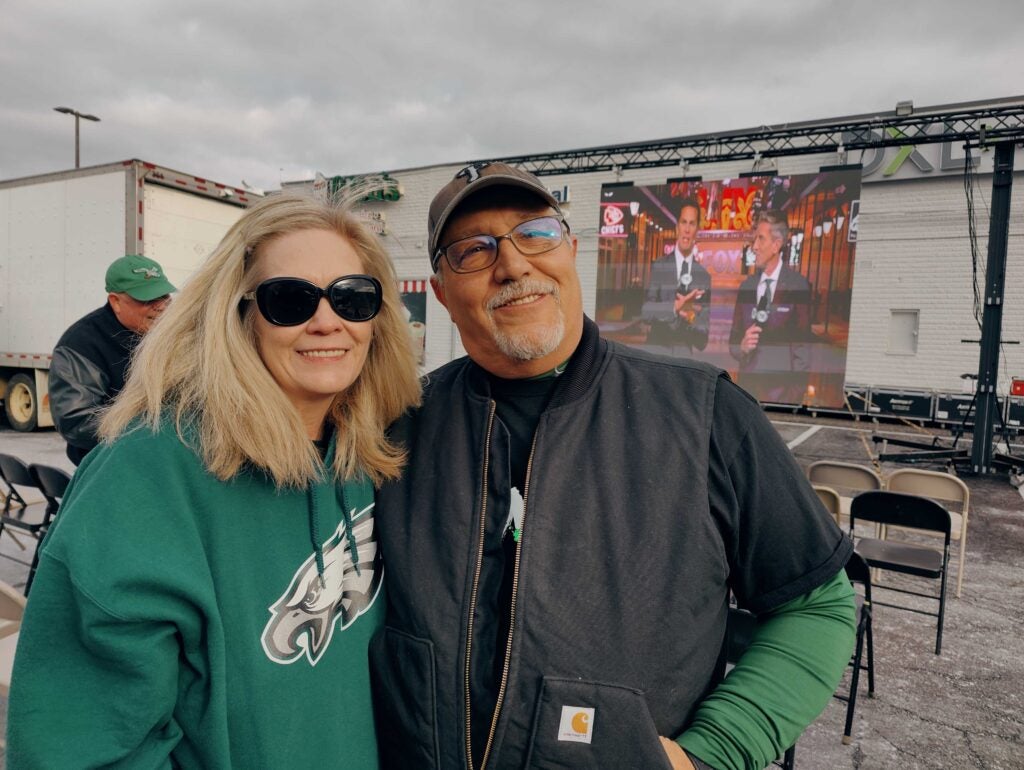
pixel 60 237
pixel 181 229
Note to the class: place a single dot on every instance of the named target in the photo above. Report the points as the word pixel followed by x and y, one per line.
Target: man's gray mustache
pixel 519 289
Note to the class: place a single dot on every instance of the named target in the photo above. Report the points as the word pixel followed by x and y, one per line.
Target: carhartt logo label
pixel 577 724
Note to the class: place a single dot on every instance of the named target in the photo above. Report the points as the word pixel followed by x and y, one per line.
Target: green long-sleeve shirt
pixel 780 684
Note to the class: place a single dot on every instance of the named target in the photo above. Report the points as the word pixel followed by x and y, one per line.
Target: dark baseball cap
pixel 139 277
pixel 470 180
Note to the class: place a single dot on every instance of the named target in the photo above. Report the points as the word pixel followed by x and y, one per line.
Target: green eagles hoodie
pixel 178 620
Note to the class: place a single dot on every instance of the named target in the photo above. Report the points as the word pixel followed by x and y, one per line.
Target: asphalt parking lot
pixel 961 709
pixel 965 707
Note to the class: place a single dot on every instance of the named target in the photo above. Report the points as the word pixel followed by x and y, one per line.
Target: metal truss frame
pixel 969 125
pixel 998 123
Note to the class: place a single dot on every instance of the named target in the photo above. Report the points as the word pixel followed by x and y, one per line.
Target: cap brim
pixel 151 290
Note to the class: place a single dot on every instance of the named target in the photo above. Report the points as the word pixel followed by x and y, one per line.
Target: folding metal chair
pixel 859 574
pixel 847 479
pixel 908 512
pixel 949 492
pixel 52 482
pixel 14 471
pixel 739 633
pixel 830 499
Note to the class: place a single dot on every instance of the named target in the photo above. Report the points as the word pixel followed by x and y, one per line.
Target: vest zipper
pixel 512 610
pixel 476 586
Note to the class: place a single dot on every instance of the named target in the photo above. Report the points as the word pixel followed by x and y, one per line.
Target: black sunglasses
pixel 293 301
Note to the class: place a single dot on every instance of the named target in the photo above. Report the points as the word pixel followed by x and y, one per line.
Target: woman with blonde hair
pixel 207 594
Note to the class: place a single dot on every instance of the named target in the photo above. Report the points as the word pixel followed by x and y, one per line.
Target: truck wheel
pixel 20 403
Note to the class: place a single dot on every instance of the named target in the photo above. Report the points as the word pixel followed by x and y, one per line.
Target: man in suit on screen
pixel 677 304
pixel 771 323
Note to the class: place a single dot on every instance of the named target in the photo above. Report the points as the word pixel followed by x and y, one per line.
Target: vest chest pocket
pixel 582 724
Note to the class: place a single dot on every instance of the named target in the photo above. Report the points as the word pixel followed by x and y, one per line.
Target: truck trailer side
pixel 58 234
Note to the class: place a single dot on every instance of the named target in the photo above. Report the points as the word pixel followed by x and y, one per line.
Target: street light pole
pixel 77 114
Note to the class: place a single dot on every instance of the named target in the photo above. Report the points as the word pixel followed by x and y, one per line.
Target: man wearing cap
pixel 91 358
pixel 574 514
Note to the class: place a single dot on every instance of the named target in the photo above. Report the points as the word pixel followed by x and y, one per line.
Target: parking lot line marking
pixel 804 436
pixel 881 430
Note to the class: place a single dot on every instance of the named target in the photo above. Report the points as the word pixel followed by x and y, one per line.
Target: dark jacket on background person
pixel 654 487
pixel 88 369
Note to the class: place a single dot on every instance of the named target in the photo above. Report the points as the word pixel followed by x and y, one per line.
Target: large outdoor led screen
pixel 753 275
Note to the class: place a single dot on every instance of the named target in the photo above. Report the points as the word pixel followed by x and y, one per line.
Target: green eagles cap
pixel 139 277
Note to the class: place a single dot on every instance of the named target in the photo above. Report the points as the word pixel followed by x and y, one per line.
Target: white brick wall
pixel 913 252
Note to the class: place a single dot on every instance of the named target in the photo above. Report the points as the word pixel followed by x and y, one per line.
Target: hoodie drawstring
pixel 314 532
pixel 353 549
pixel 314 535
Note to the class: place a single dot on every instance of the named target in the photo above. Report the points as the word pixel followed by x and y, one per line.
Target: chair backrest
pixel 845 478
pixel 900 510
pixel 944 488
pixel 14 471
pixel 51 481
pixel 15 474
pixel 829 498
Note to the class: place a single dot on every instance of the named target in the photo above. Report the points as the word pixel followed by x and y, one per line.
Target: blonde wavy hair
pixel 200 362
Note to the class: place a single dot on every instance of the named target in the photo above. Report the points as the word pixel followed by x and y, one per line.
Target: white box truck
pixel 58 234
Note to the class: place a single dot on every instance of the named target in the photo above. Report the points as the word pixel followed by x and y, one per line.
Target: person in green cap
pixel 91 358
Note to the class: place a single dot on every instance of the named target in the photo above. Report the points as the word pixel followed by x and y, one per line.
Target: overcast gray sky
pixel 233 91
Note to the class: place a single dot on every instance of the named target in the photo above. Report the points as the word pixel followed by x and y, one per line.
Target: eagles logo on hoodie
pixel 302 621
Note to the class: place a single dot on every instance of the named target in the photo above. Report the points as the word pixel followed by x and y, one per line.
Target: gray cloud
pixel 230 93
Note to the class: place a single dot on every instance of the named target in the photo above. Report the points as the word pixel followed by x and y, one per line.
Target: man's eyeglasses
pixel 293 301
pixel 477 252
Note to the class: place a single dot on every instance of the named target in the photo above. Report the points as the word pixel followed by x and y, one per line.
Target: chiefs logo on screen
pixel 611 221
pixel 613 215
